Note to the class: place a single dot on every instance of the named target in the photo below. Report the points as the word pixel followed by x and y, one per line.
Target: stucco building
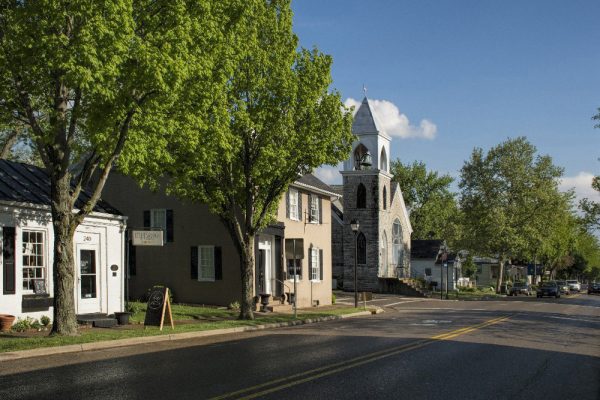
pixel 199 261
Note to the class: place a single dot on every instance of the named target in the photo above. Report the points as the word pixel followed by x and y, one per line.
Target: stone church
pixel 369 197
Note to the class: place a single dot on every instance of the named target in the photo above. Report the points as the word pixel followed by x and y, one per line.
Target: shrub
pixel 333 298
pixel 134 307
pixel 23 325
pixel 234 305
pixel 45 320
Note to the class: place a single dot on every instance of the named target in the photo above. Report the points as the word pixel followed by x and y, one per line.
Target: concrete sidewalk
pixel 74 348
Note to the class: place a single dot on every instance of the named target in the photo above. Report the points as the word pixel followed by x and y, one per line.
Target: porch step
pixel 97 320
pixel 105 323
pixel 281 308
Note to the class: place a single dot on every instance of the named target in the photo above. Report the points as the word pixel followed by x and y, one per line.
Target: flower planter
pixel 122 317
pixel 6 322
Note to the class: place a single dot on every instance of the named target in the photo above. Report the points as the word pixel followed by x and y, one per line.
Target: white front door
pixel 87 256
pixel 265 265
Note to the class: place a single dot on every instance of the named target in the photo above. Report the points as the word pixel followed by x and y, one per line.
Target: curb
pixel 76 348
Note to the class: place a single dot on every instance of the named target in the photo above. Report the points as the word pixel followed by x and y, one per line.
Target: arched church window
pixel 362 158
pixel 361 249
pixel 383 160
pixel 361 196
pixel 397 247
pixel 385 197
pixel 384 255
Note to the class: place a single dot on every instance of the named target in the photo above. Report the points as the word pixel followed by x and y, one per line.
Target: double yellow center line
pixel 306 376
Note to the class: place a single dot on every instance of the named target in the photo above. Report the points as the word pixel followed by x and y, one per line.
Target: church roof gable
pixel 365 120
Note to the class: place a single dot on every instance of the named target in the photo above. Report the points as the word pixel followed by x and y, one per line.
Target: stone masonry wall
pixel 368 218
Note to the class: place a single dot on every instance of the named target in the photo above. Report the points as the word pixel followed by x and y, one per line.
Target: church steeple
pixel 371 139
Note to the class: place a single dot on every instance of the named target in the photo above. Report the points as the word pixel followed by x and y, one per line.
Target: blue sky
pixel 467 74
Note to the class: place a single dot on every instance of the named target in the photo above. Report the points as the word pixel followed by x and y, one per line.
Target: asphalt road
pixel 513 348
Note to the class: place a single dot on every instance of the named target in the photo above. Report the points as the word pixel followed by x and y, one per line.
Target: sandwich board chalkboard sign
pixel 159 307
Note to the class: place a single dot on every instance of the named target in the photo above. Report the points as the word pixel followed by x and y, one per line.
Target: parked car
pixel 593 288
pixel 564 287
pixel 519 288
pixel 550 289
pixel 574 286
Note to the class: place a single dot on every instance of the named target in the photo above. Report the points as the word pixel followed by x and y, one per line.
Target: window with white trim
pixel 34 262
pixel 158 219
pixel 206 263
pixel 315 273
pixel 293 203
pixel 294 268
pixel 314 209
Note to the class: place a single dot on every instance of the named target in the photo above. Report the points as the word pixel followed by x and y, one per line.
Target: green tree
pixel 433 208
pixel 96 82
pixel 277 119
pixel 506 196
pixel 468 267
pixel 591 209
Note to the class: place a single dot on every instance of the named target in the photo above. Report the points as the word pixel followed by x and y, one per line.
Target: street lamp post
pixel 354 225
pixel 444 257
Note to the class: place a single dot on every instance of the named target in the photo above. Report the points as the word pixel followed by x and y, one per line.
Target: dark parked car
pixel 550 289
pixel 593 288
pixel 519 288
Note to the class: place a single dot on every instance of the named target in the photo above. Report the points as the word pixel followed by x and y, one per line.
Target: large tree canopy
pixel 275 120
pixel 508 198
pixel 95 82
pixel 433 208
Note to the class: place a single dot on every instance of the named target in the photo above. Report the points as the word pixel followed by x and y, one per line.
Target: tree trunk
pixel 247 277
pixel 65 321
pixel 500 275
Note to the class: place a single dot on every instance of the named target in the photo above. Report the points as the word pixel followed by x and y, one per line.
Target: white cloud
pixel 330 175
pixel 582 185
pixel 394 122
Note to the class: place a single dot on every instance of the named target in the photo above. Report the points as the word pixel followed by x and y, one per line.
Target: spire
pixel 365 121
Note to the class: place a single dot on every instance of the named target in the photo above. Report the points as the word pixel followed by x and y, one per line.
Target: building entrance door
pixel 88 274
pixel 265 266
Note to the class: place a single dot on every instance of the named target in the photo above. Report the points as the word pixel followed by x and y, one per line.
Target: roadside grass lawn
pixel 477 294
pixel 187 319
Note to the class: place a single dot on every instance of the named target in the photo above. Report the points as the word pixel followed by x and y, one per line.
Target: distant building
pixel 382 242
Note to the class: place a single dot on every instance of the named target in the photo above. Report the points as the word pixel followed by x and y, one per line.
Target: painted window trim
pixel 290 277
pixel 200 279
pixel 294 194
pixel 314 267
pixel 44 259
pixel 314 219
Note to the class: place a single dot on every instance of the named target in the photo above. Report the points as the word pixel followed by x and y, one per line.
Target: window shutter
pixel 321 264
pixel 8 254
pixel 146 218
pixel 169 226
pixel 132 259
pixel 320 210
pixel 310 217
pixel 300 217
pixel 287 204
pixel 194 264
pixel 218 264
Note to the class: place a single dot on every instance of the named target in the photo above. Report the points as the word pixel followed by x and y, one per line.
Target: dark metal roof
pixel 311 180
pixel 425 248
pixel 24 183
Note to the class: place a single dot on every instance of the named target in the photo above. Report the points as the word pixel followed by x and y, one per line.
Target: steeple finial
pixel 365 90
